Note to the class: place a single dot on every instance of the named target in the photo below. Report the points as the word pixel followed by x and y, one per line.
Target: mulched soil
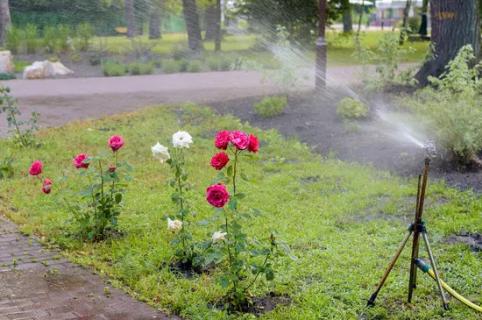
pixel 313 120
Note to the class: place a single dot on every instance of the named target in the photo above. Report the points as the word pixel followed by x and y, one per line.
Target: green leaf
pixel 244 176
pixel 229 171
pixel 118 198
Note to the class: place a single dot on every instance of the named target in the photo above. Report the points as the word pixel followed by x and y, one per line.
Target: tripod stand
pixel 417 228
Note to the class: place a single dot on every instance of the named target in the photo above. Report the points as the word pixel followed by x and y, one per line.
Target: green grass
pixel 340 47
pixel 343 221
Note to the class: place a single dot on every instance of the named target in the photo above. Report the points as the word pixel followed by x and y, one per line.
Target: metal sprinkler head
pixel 430 149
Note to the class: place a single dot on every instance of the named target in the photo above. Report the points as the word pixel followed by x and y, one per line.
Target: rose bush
pixel 231 245
pixel 35 170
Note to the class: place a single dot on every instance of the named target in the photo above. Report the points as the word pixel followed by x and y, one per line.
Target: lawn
pixel 340 47
pixel 342 221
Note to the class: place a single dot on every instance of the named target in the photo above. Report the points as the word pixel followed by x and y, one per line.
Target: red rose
pixel 36 168
pixel 219 160
pixel 79 161
pixel 112 168
pixel 239 139
pixel 116 142
pixel 222 140
pixel 47 186
pixel 253 143
pixel 217 195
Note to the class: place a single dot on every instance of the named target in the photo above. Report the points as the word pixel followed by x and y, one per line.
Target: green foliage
pixel 7 76
pixel 349 108
pixel 138 68
pixel 30 34
pixel 173 66
pixel 13 39
pixel 113 69
pixel 452 107
pixel 23 130
pixel 271 106
pixel 84 33
pixel 194 66
pixel 387 57
pixel 95 217
pixel 6 168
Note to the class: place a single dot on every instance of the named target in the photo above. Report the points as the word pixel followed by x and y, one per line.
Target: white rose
pixel 160 152
pixel 174 225
pixel 181 139
pixel 219 236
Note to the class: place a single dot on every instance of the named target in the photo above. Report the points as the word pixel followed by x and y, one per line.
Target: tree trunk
pixel 155 21
pixel 424 20
pixel 218 36
pixel 454 24
pixel 210 20
pixel 5 20
pixel 191 18
pixel 404 31
pixel 347 18
pixel 321 47
pixel 130 18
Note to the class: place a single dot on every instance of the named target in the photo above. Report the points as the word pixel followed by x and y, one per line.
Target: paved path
pixel 38 284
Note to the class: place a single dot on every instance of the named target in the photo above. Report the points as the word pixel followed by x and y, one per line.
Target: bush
pixel 6 168
pixel 85 32
pixel 138 68
pixel 271 106
pixel 30 34
pixel 20 65
pixel 219 63
pixel 57 39
pixel 13 40
pixel 171 66
pixel 452 108
pixel 114 69
pixel 194 66
pixel 349 108
pixel 7 76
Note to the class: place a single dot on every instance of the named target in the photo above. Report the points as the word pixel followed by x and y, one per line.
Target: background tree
pixel 454 24
pixel 156 7
pixel 5 20
pixel 130 18
pixel 424 20
pixel 347 16
pixel 191 17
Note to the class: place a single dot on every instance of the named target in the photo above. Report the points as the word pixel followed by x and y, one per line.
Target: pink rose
pixel 79 161
pixel 116 142
pixel 36 168
pixel 222 140
pixel 253 143
pixel 219 160
pixel 47 186
pixel 217 195
pixel 239 139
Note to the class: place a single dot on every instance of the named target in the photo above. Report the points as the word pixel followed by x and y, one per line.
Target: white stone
pixel 46 69
pixel 6 62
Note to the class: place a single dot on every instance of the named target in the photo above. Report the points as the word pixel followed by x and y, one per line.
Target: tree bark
pixel 347 18
pixel 218 35
pixel 155 21
pixel 403 32
pixel 130 18
pixel 210 21
pixel 424 20
pixel 5 20
pixel 191 18
pixel 321 47
pixel 454 24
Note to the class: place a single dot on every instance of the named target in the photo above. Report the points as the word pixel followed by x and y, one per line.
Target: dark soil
pixel 474 240
pixel 313 120
pixel 259 305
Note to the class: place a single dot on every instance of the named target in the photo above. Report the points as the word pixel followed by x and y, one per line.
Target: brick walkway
pixel 38 284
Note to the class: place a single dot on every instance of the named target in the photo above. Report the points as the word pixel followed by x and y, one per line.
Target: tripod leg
pixel 371 301
pixel 435 270
pixel 413 268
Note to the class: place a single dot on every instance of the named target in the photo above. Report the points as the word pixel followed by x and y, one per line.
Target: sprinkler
pixel 430 149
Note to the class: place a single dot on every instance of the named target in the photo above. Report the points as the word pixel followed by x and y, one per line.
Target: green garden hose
pixel 427 269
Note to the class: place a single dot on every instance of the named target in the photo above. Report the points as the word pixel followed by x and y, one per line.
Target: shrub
pixel 49 39
pixel 219 63
pixel 84 33
pixel 194 66
pixel 349 108
pixel 452 108
pixel 30 34
pixel 271 106
pixel 171 66
pixel 114 69
pixel 14 39
pixel 138 68
pixel 20 65
pixel 7 76
pixel 57 39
